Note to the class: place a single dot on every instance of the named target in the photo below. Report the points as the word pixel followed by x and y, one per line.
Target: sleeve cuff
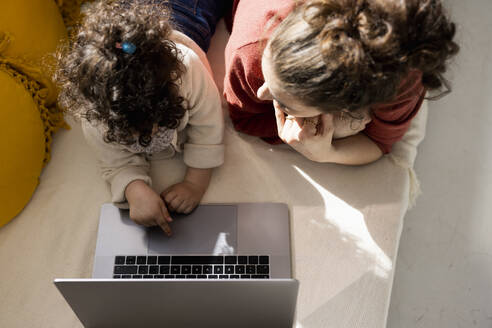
pixel 122 179
pixel 203 156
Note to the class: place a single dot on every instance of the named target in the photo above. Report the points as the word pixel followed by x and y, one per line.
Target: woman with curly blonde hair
pixel 338 80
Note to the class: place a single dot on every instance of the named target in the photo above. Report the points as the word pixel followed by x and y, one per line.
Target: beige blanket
pixel 345 223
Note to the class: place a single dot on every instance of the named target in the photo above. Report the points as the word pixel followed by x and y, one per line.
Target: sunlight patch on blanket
pixel 350 222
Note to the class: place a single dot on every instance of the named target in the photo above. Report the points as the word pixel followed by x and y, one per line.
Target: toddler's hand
pixel 183 197
pixel 146 207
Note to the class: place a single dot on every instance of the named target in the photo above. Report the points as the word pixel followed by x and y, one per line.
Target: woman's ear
pixel 263 92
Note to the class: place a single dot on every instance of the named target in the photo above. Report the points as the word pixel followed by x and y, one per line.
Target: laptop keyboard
pixel 191 267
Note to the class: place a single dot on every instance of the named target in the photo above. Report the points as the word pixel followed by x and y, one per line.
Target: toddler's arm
pixel 183 197
pixel 204 149
pixel 128 176
pixel 118 166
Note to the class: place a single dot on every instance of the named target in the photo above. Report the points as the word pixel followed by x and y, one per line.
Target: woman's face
pixel 272 90
pixel 345 124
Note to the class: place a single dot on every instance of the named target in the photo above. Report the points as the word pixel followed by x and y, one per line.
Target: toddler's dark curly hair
pixel 127 93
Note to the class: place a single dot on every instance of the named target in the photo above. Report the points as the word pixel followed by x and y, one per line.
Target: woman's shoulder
pixel 254 20
pixel 409 89
pixel 411 85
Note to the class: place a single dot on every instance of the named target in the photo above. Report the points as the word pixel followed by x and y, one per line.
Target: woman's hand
pixel 183 197
pixel 310 138
pixel 146 207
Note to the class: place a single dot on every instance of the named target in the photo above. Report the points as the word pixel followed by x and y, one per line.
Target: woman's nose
pixel 263 93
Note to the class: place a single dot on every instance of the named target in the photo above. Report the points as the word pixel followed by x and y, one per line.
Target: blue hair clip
pixel 127 47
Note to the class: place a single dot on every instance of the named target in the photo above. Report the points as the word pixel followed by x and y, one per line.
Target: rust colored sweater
pixel 251 23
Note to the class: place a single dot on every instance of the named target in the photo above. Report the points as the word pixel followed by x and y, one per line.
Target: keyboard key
pixel 242 260
pixel 240 269
pixel 169 276
pixel 125 269
pixel 130 259
pixel 186 269
pixel 152 260
pixel 260 276
pixel 230 260
pixel 264 260
pixel 202 276
pixel 164 260
pixel 126 276
pixel 252 259
pixel 191 276
pixel 148 276
pixel 218 269
pixel 229 269
pixel 175 269
pixel 250 269
pixel 137 276
pixel 223 276
pixel 234 276
pixel 154 269
pixel 116 276
pixel 141 259
pixel 212 276
pixel 245 276
pixel 119 260
pixel 143 269
pixel 164 269
pixel 197 260
pixel 158 276
pixel 207 269
pixel 180 276
pixel 262 269
pixel 197 269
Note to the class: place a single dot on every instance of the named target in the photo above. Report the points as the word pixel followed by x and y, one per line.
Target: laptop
pixel 225 265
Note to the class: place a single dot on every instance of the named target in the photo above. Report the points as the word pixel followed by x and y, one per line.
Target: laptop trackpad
pixel 209 229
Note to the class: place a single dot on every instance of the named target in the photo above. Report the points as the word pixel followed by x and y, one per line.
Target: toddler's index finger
pixel 164 225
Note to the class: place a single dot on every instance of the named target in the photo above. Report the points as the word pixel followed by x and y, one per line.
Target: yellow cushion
pixel 30 32
pixel 36 27
pixel 22 147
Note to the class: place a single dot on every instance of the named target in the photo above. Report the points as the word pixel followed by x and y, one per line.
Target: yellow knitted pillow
pixel 29 31
pixel 22 147
pixel 36 27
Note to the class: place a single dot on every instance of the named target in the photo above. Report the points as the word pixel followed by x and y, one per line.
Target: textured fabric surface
pixel 22 147
pixel 29 32
pixel 71 13
pixel 345 224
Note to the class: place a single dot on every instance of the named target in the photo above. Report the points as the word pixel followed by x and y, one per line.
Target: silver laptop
pixel 226 265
